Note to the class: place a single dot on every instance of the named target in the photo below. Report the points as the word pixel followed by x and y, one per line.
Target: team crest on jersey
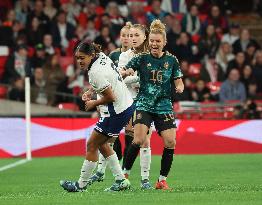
pixel 166 65
pixel 149 65
pixel 139 116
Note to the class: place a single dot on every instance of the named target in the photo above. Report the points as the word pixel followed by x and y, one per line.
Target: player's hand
pixel 179 88
pixel 87 95
pixel 129 72
pixel 89 105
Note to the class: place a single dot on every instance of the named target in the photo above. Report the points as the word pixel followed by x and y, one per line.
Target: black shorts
pixel 162 121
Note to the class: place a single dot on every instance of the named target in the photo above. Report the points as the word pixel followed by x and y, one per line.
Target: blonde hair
pixel 128 25
pixel 157 27
pixel 144 46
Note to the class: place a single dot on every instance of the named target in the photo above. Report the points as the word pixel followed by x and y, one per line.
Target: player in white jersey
pixel 116 108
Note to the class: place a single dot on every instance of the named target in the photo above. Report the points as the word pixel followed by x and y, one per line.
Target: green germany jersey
pixel 114 56
pixel 156 76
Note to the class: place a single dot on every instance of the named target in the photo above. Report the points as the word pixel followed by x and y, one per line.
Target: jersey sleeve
pixel 177 73
pixel 99 82
pixel 135 63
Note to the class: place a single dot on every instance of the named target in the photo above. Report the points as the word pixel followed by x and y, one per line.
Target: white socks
pixel 86 171
pixel 115 167
pixel 145 161
pixel 102 162
pixel 161 178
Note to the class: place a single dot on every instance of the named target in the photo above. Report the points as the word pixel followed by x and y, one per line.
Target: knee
pixel 138 141
pixel 170 143
pixel 91 147
pixel 146 143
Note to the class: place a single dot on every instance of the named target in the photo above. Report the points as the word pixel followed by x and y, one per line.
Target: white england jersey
pixel 103 74
pixel 131 81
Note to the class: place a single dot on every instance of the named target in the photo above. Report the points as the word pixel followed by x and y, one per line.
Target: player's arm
pixel 107 97
pixel 132 66
pixel 179 85
pixel 177 75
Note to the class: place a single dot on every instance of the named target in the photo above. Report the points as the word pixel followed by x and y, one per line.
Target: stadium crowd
pixel 221 61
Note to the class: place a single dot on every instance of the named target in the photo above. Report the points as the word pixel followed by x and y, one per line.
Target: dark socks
pixel 118 148
pixel 128 141
pixel 131 156
pixel 166 161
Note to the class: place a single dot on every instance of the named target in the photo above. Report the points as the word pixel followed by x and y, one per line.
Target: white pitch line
pixel 9 166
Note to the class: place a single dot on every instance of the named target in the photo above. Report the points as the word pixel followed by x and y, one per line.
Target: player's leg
pixel 101 167
pixel 94 142
pixel 118 148
pixel 145 161
pixel 142 124
pixel 129 135
pixel 166 127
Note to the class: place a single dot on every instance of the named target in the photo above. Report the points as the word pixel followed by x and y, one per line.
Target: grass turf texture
pixel 195 179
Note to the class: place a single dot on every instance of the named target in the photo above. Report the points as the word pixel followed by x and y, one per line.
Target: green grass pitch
pixel 195 179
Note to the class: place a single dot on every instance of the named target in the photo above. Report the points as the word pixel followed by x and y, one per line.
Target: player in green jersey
pixel 157 70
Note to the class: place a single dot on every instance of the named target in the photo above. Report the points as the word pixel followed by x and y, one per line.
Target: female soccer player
pixel 156 70
pixel 116 108
pixel 114 56
pixel 138 35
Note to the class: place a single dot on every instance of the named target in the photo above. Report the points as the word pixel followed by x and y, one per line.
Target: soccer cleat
pixel 71 186
pixel 145 184
pixel 162 185
pixel 119 185
pixel 97 177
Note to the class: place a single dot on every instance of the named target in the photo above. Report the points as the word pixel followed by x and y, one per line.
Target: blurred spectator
pixel 17 91
pixel 232 35
pixel 137 13
pixel 156 12
pixel 239 62
pixel 48 44
pixel 224 55
pixel 62 32
pixel 117 21
pixel 75 77
pixel 35 32
pixel 246 76
pixel 22 10
pixel 190 22
pixel 10 18
pixel 250 53
pixel 39 90
pixel 38 12
pixel 174 6
pixel 184 49
pixel 104 38
pixel 73 9
pixel 217 19
pixel 241 44
pixel 17 65
pixel 251 110
pixel 203 6
pixel 49 9
pixel 232 88
pixel 172 35
pixel 209 42
pixel 211 71
pixel 200 93
pixel 9 35
pixel 55 78
pixel 184 66
pixel 258 70
pixel 252 92
pixel 91 32
pixel 39 58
